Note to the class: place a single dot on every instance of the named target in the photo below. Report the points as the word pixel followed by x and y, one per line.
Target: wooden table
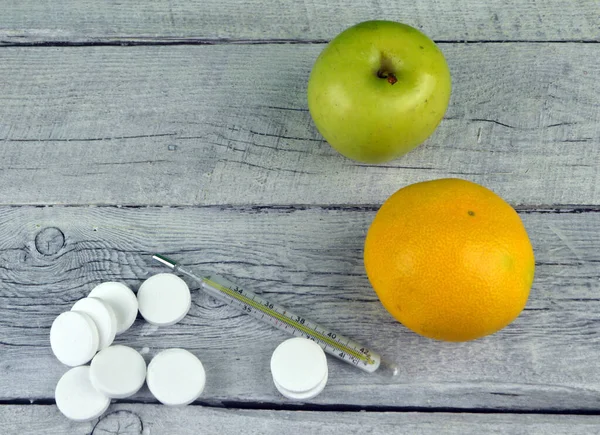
pixel 181 127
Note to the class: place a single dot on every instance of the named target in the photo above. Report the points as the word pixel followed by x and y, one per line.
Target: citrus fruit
pixel 449 259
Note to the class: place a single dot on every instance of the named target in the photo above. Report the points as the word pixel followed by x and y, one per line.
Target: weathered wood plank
pixel 138 419
pixel 229 125
pixel 31 21
pixel 310 261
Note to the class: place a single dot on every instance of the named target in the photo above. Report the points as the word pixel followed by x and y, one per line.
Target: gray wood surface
pixel 81 21
pixel 52 256
pixel 196 142
pixel 139 419
pixel 196 125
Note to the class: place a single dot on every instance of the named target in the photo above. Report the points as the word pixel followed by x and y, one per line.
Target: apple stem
pixel 391 77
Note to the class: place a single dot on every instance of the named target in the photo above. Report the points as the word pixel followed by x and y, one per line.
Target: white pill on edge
pixel 176 377
pixel 118 371
pixel 74 338
pixel 76 398
pixel 121 299
pixel 103 316
pixel 299 368
pixel 164 299
pixel 302 396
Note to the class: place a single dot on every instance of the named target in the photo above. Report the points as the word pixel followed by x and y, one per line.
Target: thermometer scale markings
pixel 238 295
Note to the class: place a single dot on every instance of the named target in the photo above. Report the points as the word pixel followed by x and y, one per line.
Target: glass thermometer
pixel 250 303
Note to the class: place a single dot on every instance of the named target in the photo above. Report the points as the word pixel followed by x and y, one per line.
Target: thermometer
pixel 337 345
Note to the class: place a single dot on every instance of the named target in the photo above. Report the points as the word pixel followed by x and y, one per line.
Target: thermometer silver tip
pixel 164 260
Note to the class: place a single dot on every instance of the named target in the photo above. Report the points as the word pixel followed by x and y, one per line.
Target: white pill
pixel 74 338
pixel 121 299
pixel 76 398
pixel 299 368
pixel 302 396
pixel 164 299
pixel 118 371
pixel 103 316
pixel 176 377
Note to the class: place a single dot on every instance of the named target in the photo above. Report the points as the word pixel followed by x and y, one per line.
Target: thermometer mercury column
pixel 250 303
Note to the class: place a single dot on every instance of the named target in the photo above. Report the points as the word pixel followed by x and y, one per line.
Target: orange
pixel 449 259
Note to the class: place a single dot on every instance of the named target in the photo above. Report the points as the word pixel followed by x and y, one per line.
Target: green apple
pixel 378 90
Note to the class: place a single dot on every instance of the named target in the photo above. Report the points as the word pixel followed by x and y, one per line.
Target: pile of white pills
pixel 86 333
pixel 299 368
pixel 174 376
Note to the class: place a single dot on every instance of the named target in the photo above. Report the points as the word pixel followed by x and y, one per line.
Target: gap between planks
pixel 134 42
pixel 288 208
pixel 311 407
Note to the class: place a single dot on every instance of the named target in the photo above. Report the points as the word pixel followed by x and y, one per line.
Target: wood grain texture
pixel 310 261
pixel 74 21
pixel 137 419
pixel 228 124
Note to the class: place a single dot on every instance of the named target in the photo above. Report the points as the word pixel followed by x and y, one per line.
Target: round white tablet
pixel 164 299
pixel 302 396
pixel 176 377
pixel 299 368
pixel 102 315
pixel 74 338
pixel 76 398
pixel 121 299
pixel 118 371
